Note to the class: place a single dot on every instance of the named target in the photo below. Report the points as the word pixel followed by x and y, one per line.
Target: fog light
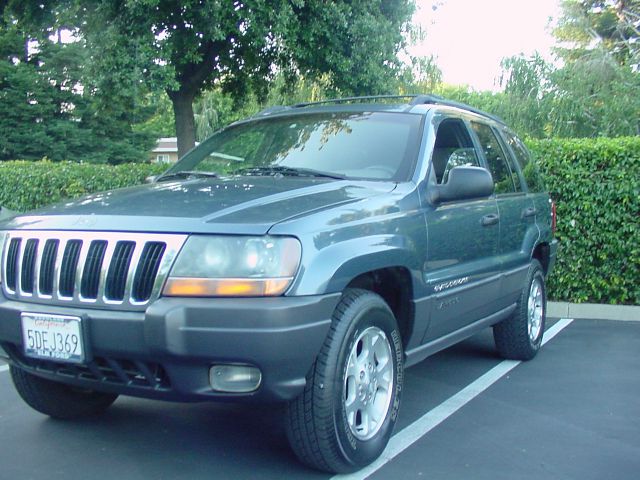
pixel 234 378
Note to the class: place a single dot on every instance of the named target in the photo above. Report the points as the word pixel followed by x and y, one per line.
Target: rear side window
pixel 496 159
pixel 528 167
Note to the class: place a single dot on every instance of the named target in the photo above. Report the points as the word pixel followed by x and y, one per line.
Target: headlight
pixel 3 237
pixel 232 266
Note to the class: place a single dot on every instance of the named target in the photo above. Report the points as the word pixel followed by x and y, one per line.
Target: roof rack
pixel 270 110
pixel 417 99
pixel 438 100
pixel 352 99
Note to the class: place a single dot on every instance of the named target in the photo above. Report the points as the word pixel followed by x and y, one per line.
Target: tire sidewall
pixel 358 452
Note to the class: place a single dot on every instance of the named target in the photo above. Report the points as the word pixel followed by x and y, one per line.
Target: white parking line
pixel 409 435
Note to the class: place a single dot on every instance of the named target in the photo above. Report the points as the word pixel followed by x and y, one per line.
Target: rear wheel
pixel 58 400
pixel 520 336
pixel 344 418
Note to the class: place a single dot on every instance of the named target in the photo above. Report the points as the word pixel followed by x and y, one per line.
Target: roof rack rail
pixel 352 99
pixel 438 100
pixel 270 110
pixel 417 99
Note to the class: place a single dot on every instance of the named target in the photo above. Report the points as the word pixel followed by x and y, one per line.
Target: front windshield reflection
pixel 369 145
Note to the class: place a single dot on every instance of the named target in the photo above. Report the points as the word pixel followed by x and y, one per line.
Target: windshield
pixel 369 145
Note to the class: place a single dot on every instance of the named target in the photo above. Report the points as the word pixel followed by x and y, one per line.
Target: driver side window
pixel 453 148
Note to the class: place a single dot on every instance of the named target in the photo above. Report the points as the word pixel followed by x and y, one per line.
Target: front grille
pixel 119 270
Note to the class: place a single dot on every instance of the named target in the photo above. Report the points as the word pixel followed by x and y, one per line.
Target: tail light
pixel 553 217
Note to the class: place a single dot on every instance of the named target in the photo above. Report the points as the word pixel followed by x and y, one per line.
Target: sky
pixel 470 37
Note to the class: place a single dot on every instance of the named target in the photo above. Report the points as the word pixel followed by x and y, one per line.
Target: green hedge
pixel 595 183
pixel 27 185
pixel 596 186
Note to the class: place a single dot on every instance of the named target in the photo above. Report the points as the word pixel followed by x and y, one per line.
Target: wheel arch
pixel 394 284
pixel 542 253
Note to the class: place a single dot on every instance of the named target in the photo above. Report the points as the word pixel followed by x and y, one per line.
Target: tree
pixel 48 106
pixel 607 25
pixel 595 97
pixel 597 91
pixel 187 46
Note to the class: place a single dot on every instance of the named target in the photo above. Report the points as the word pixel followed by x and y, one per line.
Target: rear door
pixel 461 270
pixel 516 210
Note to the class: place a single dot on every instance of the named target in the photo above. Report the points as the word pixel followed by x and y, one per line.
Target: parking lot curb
pixel 627 313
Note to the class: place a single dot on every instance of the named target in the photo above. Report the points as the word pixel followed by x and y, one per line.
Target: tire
pixel 520 336
pixel 58 400
pixel 349 384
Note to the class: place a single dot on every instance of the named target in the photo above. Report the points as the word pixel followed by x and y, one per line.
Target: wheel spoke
pixel 351 391
pixel 372 420
pixel 385 379
pixel 352 368
pixel 352 410
pixel 365 354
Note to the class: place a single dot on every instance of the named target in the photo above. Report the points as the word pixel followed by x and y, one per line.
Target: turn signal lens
pixel 226 287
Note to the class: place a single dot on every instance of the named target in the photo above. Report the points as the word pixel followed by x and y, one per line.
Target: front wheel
pixel 58 400
pixel 520 336
pixel 344 418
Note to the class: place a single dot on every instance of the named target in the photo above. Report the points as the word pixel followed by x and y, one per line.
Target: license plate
pixel 52 337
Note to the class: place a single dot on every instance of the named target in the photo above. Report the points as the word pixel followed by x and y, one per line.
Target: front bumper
pixel 166 352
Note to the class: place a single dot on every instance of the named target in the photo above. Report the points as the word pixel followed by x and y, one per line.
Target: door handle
pixel 529 212
pixel 490 219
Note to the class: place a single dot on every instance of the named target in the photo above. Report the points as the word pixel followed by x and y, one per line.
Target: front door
pixel 462 269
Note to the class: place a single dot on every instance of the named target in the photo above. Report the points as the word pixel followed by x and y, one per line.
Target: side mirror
pixel 151 179
pixel 464 183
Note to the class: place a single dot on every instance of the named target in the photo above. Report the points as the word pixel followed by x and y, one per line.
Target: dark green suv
pixel 306 255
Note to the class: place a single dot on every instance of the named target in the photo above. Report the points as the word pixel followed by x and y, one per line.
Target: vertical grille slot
pixel 28 265
pixel 93 265
pixel 47 267
pixel 69 267
pixel 147 270
pixel 117 276
pixel 12 264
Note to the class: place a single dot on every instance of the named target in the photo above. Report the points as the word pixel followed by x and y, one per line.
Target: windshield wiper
pixel 187 174
pixel 288 172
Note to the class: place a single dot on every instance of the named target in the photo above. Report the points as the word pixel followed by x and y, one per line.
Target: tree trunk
pixel 185 124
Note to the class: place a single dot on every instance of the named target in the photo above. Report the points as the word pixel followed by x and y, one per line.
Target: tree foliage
pixel 595 185
pixel 594 93
pixel 187 46
pixel 48 104
pixel 609 25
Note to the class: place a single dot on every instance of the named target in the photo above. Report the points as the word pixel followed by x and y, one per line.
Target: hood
pixel 243 205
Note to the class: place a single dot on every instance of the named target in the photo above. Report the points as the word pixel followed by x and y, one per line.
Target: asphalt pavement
pixel 571 413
